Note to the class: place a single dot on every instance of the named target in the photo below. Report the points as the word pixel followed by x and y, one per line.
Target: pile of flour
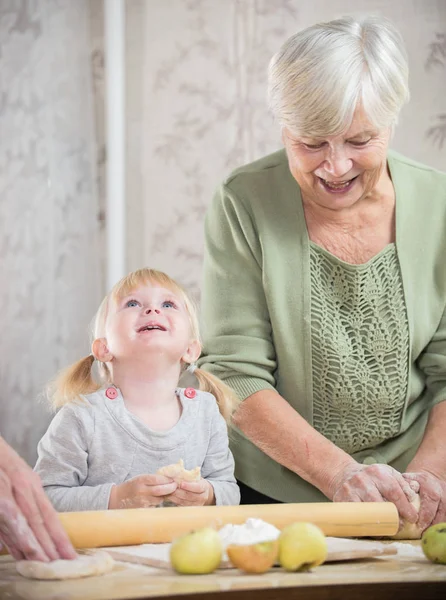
pixel 252 531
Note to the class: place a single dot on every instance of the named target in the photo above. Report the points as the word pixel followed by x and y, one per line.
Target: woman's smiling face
pixel 338 171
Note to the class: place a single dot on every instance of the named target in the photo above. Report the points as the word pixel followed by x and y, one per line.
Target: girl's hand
pixel 142 491
pixel 193 493
pixel 375 483
pixel 432 498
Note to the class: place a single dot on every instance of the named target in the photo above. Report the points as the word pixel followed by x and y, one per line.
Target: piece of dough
pixel 95 563
pixel 177 472
pixel 410 531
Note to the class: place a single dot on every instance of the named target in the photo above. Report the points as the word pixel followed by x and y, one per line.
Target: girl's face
pixel 150 321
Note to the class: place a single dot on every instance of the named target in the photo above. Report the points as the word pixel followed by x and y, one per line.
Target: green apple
pixel 301 547
pixel 433 542
pixel 197 552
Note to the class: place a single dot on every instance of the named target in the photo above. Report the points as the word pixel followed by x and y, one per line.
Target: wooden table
pixel 392 577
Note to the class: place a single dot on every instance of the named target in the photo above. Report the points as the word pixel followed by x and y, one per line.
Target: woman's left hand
pixel 432 498
pixel 193 493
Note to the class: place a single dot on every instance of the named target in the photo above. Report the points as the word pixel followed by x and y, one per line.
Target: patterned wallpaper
pixel 204 105
pixel 49 265
pixel 196 108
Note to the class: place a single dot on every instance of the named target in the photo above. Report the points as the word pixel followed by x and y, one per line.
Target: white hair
pixel 323 73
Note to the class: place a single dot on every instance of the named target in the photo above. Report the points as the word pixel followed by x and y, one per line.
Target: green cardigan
pixel 257 297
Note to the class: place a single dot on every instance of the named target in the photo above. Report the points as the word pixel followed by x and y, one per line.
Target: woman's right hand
pixel 374 483
pixel 142 491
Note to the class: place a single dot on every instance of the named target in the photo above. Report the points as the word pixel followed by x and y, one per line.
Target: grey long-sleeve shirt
pixel 93 445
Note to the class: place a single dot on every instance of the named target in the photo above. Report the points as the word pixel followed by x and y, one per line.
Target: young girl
pixel 105 445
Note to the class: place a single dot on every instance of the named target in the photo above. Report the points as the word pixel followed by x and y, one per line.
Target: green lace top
pixel 359 343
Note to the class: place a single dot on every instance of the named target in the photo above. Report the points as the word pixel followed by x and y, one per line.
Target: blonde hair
pixel 77 380
pixel 323 73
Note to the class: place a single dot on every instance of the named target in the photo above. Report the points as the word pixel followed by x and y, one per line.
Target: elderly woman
pixel 325 287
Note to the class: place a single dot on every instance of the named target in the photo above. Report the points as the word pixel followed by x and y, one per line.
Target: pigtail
pixel 73 381
pixel 226 398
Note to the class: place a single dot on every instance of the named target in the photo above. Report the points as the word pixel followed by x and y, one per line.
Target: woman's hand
pixel 374 483
pixel 29 526
pixel 432 498
pixel 142 491
pixel 193 493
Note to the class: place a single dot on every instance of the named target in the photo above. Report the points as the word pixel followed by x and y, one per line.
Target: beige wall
pixel 195 98
pixel 203 68
pixel 49 267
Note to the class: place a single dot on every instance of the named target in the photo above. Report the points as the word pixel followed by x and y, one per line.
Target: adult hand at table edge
pixel 29 525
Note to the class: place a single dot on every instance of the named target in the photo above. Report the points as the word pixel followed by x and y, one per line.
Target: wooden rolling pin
pixel 94 529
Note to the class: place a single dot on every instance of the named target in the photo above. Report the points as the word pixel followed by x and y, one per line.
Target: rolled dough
pixel 85 565
pixel 410 531
pixel 177 472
